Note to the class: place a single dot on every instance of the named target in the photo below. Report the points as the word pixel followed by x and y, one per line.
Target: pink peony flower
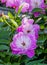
pixel 37 4
pixel 25 7
pixel 29 2
pixel 13 3
pixel 10 3
pixel 23 44
pixel 17 4
pixel 25 20
pixel 36 29
pixel 3 1
pixel 29 28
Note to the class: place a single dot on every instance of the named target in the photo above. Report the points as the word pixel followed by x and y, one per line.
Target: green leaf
pixel 14 23
pixel 1 61
pixel 3 47
pixel 36 10
pixel 16 64
pixel 19 10
pixel 8 63
pixel 41 39
pixel 4 41
pixel 45 18
pixel 4 34
pixel 10 15
pixel 42 26
pixel 35 62
pixel 39 51
pixel 41 64
pixel 1 64
pixel 45 51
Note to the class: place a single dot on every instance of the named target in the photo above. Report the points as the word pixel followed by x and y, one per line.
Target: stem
pixel 19 59
pixel 38 20
pixel 8 24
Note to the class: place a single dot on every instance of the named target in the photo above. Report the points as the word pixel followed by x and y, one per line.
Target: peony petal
pixel 30 53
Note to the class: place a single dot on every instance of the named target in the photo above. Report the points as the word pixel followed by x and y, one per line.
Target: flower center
pixel 14 6
pixel 36 4
pixel 28 31
pixel 23 44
